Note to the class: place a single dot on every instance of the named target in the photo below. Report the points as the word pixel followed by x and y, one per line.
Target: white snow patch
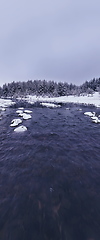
pixel 25 116
pixel 90 114
pixel 20 114
pixel 94 100
pixel 19 111
pixel 96 120
pixel 20 129
pixel 6 102
pixel 27 111
pixel 52 105
pixel 3 109
pixel 20 108
pixel 15 122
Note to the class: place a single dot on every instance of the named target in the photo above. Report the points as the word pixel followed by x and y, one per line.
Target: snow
pixel 94 118
pixel 20 108
pixel 93 99
pixel 5 103
pixel 25 116
pixel 19 111
pixel 27 111
pixel 3 109
pixel 90 114
pixel 22 128
pixel 15 122
pixel 52 105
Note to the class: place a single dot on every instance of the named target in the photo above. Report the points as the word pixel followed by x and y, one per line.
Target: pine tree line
pixel 48 88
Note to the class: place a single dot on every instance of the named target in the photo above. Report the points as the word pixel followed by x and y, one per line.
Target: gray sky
pixel 53 40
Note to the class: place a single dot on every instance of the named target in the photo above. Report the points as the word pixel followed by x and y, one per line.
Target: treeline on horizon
pixel 48 88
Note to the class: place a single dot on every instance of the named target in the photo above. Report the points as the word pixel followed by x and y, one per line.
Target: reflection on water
pixel 50 176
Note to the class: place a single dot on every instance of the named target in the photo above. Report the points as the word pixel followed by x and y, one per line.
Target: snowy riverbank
pixel 5 103
pixel 92 99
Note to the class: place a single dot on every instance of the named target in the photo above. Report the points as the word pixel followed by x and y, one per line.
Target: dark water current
pixel 50 176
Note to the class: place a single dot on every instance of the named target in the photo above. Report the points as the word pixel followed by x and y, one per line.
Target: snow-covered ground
pixel 92 99
pixel 51 105
pixel 5 103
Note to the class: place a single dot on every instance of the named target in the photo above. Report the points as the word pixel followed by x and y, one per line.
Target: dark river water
pixel 50 175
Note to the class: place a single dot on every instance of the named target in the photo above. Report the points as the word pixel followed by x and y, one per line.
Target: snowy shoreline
pixel 88 100
pixel 4 103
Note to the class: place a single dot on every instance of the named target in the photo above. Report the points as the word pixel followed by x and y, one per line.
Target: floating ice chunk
pixel 15 122
pixel 20 108
pixel 67 108
pixel 90 114
pixel 96 120
pixel 20 129
pixel 19 111
pixel 3 109
pixel 26 116
pixel 20 114
pixel 52 105
pixel 27 111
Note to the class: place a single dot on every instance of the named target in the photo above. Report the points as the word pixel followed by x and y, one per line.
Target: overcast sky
pixel 49 39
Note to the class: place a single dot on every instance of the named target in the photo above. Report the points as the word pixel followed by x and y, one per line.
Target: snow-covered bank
pixel 51 105
pixel 5 103
pixel 94 99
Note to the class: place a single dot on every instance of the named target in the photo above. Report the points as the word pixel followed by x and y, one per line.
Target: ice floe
pixel 15 122
pixel 21 128
pixel 19 111
pixel 25 116
pixel 27 111
pixel 21 108
pixel 90 114
pixel 94 118
pixel 51 105
pixel 3 109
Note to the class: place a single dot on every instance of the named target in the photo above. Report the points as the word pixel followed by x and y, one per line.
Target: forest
pixel 48 88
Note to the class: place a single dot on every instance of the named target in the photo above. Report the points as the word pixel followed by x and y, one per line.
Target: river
pixel 50 175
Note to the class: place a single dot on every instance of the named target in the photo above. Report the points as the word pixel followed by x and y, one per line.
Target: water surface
pixel 50 175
